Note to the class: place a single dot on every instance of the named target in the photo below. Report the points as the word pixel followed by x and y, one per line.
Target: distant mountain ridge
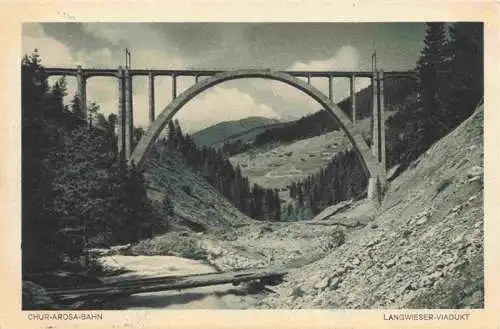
pixel 223 130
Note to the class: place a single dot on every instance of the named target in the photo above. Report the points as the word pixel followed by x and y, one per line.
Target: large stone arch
pixel 372 168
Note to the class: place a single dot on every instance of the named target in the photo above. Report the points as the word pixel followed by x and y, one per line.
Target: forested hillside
pixel 214 166
pixel 449 86
pixel 76 194
pixel 342 179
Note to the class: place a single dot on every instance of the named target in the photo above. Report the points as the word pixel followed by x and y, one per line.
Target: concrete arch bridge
pixel 372 157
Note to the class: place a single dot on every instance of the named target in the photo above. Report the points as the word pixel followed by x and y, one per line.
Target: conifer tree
pixel 57 93
pixel 76 107
pixel 465 80
pixel 431 68
pixel 171 134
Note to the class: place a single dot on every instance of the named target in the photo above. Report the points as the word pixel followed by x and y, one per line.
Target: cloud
pixel 221 104
pixel 347 58
pixel 155 58
pixel 148 46
pixel 112 33
pixel 53 52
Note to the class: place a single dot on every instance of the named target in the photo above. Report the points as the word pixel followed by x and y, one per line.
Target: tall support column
pixel 129 117
pixel 151 97
pixel 377 186
pixel 174 87
pixel 121 114
pixel 82 91
pixel 308 79
pixel 196 78
pixel 382 119
pixel 330 88
pixel 375 117
pixel 353 98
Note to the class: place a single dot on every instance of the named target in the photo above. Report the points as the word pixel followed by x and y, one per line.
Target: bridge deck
pixel 192 73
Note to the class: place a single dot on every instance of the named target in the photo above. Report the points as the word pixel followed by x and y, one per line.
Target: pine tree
pixel 300 195
pixel 93 110
pixel 277 205
pixel 431 68
pixel 293 190
pixel 76 106
pixel 171 135
pixel 57 93
pixel 290 212
pixel 465 80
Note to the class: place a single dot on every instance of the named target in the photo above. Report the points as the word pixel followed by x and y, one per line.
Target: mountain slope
pixel 223 130
pixel 197 205
pixel 423 248
pixel 281 165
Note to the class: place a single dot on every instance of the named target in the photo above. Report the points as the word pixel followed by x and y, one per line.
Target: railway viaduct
pixel 372 157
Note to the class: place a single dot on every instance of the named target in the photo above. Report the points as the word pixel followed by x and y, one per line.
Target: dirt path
pixel 224 296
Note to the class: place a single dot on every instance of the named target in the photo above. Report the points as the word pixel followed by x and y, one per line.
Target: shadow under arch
pixel 372 168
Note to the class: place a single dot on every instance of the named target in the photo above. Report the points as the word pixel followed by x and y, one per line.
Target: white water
pixel 224 296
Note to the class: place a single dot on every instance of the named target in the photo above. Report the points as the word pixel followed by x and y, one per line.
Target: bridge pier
pixel 382 120
pixel 129 115
pixel 330 88
pixel 151 97
pixel 375 117
pixel 81 81
pixel 174 87
pixel 377 185
pixel 121 114
pixel 353 97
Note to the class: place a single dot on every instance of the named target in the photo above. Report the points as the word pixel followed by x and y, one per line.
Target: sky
pixel 225 46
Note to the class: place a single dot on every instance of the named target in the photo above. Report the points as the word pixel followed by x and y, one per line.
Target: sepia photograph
pixel 290 165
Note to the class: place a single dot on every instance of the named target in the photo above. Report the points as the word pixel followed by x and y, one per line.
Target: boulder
pixel 356 261
pixel 475 173
pixel 390 263
pixel 334 283
pixel 421 220
pixel 406 260
pixel 322 284
pixel 35 297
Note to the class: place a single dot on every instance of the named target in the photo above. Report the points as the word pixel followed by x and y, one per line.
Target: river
pixel 225 296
